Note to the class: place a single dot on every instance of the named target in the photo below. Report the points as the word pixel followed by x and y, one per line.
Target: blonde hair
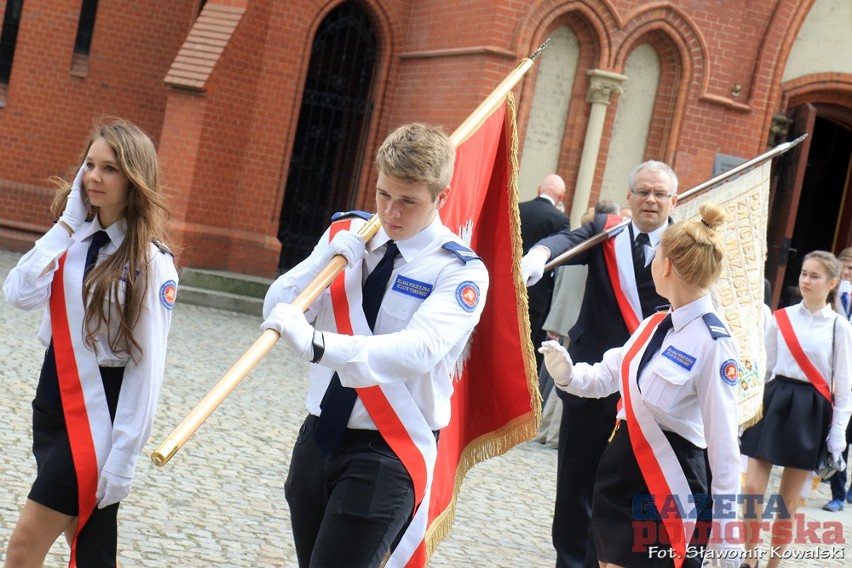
pixel 845 255
pixel 831 265
pixel 418 153
pixel 694 247
pixel 146 215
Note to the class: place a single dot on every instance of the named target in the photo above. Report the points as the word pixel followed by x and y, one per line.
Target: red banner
pixel 496 403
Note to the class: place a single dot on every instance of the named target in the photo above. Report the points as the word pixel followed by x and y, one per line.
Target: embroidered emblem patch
pixel 685 360
pixel 168 293
pixel 729 372
pixel 467 295
pixel 412 287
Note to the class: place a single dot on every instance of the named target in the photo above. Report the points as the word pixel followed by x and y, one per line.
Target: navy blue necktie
pixel 99 239
pixel 338 401
pixel 844 300
pixel 655 343
pixel 639 251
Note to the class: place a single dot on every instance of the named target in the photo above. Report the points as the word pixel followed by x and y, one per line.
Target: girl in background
pixel 806 404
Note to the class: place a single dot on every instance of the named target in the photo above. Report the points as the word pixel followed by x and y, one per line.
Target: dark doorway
pixel 819 213
pixel 328 149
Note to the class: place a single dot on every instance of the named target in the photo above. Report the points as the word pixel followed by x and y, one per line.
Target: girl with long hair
pixel 806 403
pixel 107 283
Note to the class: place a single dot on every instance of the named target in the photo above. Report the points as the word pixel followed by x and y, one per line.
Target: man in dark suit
pixel 619 294
pixel 540 218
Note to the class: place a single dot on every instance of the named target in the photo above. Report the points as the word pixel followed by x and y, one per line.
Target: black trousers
pixel 579 453
pixel 350 506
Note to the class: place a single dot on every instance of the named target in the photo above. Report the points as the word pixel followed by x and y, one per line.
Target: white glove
pixel 290 322
pixel 836 442
pixel 112 488
pixel 558 363
pixel 532 264
pixel 723 555
pixel 76 206
pixel 345 243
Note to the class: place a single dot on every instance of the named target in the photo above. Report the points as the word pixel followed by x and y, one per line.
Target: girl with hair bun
pixel 107 284
pixel 676 376
pixel 806 403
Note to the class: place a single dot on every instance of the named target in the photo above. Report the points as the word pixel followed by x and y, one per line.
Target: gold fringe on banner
pixel 524 427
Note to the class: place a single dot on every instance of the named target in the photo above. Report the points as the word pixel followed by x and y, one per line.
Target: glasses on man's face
pixel 658 195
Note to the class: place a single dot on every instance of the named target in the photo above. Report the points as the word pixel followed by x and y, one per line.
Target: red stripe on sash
pixel 652 473
pixel 811 372
pixel 73 406
pixel 631 320
pixel 340 302
pixel 374 400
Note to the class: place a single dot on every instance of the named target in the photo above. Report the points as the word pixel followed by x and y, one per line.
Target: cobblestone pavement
pixel 220 501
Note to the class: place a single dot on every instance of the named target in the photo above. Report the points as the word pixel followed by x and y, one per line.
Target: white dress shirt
pixel 28 287
pixel 421 330
pixel 815 332
pixel 685 389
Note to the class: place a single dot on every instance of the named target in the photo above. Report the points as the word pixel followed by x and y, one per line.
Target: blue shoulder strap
pixel 161 246
pixel 715 325
pixel 344 214
pixel 463 253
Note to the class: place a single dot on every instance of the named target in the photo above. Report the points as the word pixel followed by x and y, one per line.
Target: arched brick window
pixel 8 38
pixel 328 148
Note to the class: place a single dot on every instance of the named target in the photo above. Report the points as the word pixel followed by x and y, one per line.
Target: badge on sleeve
pixel 168 294
pixel 729 372
pixel 467 295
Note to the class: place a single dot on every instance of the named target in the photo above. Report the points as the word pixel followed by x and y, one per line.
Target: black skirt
pixel 794 426
pixel 55 485
pixel 626 523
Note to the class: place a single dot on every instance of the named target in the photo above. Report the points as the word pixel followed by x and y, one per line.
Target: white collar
pixel 411 247
pixel 550 199
pixel 116 232
pixel 685 314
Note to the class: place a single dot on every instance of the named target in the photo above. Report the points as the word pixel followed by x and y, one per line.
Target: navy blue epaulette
pixel 715 325
pixel 344 214
pixel 161 246
pixel 462 252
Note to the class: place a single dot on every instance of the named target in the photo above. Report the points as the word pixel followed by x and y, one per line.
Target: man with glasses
pixel 619 295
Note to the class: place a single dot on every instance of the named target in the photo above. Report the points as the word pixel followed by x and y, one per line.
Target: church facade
pixel 267 114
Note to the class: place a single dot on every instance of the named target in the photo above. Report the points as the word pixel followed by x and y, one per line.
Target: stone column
pixel 602 85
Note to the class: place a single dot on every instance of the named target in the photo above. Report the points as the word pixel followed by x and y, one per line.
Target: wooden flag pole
pixel 229 381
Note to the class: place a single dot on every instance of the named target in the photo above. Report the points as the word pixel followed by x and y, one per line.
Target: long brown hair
pixel 146 214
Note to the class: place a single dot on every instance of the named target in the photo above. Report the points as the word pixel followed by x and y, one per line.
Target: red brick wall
pixel 225 148
pixel 49 113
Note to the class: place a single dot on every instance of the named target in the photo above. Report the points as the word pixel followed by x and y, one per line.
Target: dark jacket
pixel 600 325
pixel 539 219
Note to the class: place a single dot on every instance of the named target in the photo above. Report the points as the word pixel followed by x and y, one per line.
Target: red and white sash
pixel 395 413
pixel 80 385
pixel 811 372
pixel 621 275
pixel 657 461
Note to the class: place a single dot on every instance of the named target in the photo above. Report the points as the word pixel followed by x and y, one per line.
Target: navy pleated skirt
pixel 794 426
